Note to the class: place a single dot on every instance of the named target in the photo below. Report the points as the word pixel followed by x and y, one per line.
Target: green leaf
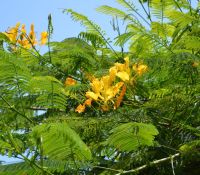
pixel 49 90
pixel 3 37
pixel 18 169
pixel 91 27
pixel 114 12
pixel 130 136
pixel 59 141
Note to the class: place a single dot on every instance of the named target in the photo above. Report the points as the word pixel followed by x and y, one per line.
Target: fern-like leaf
pixel 114 12
pixel 49 92
pixel 131 136
pixel 59 141
pixel 91 27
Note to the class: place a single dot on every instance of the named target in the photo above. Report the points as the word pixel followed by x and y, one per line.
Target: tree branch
pixel 151 163
pixel 14 109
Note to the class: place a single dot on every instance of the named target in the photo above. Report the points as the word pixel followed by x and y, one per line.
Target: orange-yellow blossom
pixel 44 38
pixel 24 43
pixel 23 40
pixel 12 33
pixel 140 68
pixel 23 29
pixel 122 70
pixel 70 81
pixel 88 102
pixel 20 36
pixel 32 35
pixel 120 98
pixel 103 90
pixel 80 108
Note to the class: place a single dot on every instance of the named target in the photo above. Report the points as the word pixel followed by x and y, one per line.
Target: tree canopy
pixel 92 105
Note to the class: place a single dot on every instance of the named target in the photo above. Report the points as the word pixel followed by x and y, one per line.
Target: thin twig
pixel 43 59
pixel 10 137
pixel 148 14
pixel 172 163
pixel 105 168
pixel 178 5
pixel 14 109
pixel 151 163
pixel 138 13
pixel 116 27
pixel 18 88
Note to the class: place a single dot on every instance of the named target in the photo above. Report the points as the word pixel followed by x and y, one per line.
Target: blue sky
pixel 36 11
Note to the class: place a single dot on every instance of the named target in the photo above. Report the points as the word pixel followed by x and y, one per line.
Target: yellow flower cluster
pixel 19 36
pixel 105 90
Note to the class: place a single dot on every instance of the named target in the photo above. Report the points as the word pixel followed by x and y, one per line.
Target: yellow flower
pixel 106 82
pixel 17 25
pixel 44 37
pixel 12 33
pixel 80 108
pixel 92 95
pixel 69 81
pixel 23 29
pixel 126 59
pixel 112 73
pixel 120 98
pixel 109 90
pixel 96 85
pixel 103 90
pixel 96 89
pixel 32 35
pixel 117 87
pixel 121 70
pixel 32 27
pixel 107 94
pixel 24 43
pixel 140 68
pixel 23 40
pixel 124 76
pixel 88 102
pixel 120 66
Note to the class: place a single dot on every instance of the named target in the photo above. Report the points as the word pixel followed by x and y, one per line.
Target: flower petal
pixel 88 102
pixel 69 81
pixel 80 108
pixel 92 95
pixel 113 72
pixel 124 76
pixel 96 85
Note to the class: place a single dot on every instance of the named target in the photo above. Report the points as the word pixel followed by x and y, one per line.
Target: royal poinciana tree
pixel 92 105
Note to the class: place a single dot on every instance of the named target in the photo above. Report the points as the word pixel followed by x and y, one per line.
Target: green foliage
pixel 131 136
pixel 58 142
pixel 91 27
pixel 18 169
pixel 49 91
pixel 157 120
pixel 115 13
